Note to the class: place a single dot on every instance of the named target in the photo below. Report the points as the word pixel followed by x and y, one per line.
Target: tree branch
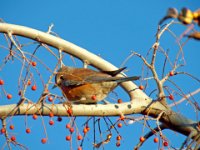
pixel 71 49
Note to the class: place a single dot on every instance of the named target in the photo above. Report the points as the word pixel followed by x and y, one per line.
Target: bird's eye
pixel 61 77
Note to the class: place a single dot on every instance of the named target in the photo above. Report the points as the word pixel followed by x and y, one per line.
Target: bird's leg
pixel 85 63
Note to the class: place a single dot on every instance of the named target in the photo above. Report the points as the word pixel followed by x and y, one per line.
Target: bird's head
pixel 59 77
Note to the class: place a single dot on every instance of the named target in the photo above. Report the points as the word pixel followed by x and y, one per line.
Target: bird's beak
pixel 54 86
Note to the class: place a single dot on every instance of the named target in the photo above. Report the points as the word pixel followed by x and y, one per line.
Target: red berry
pixel 68 138
pixel 71 130
pixel 119 125
pixel 79 148
pixel 28 130
pixel 9 96
pixel 44 140
pixel 35 116
pixel 34 87
pixel 50 99
pixel 171 97
pixel 13 138
pixel 51 122
pixel 171 73
pixel 11 127
pixel 119 101
pixel 59 119
pixel 69 111
pixel 141 87
pixel 85 130
pixel 122 117
pixel 46 91
pixel 155 140
pixel 79 137
pixel 88 128
pixel 51 114
pixel 165 143
pixel 118 137
pixel 142 139
pixel 68 126
pixel 1 82
pixel 33 63
pixel 3 130
pixel 118 143
pixel 94 97
pixel 29 82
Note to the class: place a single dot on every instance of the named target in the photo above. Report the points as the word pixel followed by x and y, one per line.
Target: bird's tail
pixel 124 79
pixel 117 79
pixel 115 72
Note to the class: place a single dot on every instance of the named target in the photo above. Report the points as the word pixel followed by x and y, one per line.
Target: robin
pixel 86 86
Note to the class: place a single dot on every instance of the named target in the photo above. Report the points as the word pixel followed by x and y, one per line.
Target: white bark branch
pixel 71 49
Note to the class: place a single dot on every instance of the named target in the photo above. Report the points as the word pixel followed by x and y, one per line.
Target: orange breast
pixel 79 92
pixel 85 93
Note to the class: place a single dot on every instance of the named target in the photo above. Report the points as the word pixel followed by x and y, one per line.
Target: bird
pixel 87 86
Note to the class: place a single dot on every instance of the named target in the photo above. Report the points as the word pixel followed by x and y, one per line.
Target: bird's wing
pixel 89 79
pixel 96 79
pixel 73 83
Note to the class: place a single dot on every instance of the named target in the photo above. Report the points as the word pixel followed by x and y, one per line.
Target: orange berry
pixel 79 137
pixel 119 125
pixel 122 117
pixel 85 130
pixel 68 138
pixel 13 138
pixel 35 116
pixel 34 87
pixel 94 97
pixel 28 82
pixel 171 97
pixel 46 91
pixel 171 73
pixel 118 143
pixel 28 130
pixel 1 82
pixel 69 111
pixel 33 63
pixel 44 140
pixel 79 148
pixel 141 87
pixel 9 96
pixel 155 140
pixel 50 99
pixel 142 139
pixel 88 128
pixel 118 137
pixel 51 122
pixel 11 127
pixel 119 101
pixel 71 130
pixel 68 126
pixel 165 143
pixel 3 130
pixel 51 114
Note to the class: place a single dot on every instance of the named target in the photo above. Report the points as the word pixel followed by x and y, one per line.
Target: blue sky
pixel 111 29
